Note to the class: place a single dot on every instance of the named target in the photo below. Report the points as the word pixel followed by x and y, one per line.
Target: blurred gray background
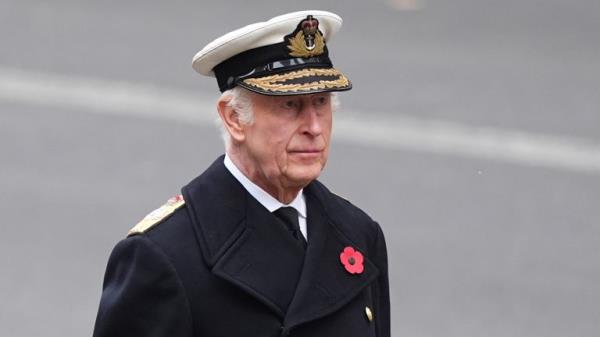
pixel 472 135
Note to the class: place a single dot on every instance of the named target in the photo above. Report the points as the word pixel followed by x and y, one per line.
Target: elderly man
pixel 256 246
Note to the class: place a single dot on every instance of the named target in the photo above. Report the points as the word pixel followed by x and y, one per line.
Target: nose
pixel 313 122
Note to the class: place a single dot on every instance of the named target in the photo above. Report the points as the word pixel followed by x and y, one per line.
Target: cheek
pixel 271 144
pixel 277 139
pixel 328 127
pixel 280 144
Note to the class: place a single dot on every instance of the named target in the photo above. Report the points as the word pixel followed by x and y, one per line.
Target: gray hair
pixel 240 100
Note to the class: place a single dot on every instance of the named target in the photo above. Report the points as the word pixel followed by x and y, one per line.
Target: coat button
pixel 369 314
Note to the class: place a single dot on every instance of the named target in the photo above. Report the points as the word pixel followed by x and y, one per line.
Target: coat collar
pixel 242 243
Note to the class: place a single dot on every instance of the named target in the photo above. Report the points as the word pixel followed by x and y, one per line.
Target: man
pixel 256 246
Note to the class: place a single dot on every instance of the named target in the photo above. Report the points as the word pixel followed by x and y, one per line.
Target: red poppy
pixel 352 260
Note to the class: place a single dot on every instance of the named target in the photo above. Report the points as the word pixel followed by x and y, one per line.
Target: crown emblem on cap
pixel 306 40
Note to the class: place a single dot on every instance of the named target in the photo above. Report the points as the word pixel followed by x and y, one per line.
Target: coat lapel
pixel 244 244
pixel 242 241
pixel 325 286
pixel 265 260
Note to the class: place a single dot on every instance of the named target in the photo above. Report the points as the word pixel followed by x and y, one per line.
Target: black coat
pixel 222 265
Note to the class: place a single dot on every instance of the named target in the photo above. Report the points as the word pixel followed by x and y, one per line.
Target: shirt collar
pixel 264 198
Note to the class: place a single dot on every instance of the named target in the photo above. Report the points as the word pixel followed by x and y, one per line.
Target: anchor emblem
pixel 307 40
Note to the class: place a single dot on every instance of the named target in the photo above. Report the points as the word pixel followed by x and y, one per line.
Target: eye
pixel 321 100
pixel 290 104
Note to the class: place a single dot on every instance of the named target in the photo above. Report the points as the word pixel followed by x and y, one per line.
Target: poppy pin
pixel 352 260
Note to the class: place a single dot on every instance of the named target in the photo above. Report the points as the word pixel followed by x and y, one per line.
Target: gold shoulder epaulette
pixel 157 215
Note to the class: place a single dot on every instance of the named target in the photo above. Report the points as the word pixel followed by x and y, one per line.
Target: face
pixel 288 142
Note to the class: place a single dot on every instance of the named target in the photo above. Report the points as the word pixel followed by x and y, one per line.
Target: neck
pixel 274 187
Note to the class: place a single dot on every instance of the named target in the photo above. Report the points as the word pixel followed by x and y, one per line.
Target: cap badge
pixel 306 40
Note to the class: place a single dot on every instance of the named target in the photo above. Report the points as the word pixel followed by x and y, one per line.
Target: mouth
pixel 306 153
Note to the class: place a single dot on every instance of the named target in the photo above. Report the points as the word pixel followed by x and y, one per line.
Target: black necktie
pixel 289 216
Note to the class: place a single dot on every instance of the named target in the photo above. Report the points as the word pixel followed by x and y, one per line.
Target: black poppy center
pixel 352 261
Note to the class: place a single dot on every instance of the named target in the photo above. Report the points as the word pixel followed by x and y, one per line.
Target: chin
pixel 304 174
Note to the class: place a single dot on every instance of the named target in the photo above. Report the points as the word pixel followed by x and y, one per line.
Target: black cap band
pixel 262 61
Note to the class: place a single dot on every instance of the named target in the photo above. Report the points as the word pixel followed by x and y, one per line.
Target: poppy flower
pixel 352 260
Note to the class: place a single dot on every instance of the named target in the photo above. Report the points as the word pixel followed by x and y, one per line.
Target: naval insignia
pixel 157 215
pixel 307 40
pixel 352 260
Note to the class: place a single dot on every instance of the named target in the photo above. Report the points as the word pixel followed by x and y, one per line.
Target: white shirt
pixel 265 199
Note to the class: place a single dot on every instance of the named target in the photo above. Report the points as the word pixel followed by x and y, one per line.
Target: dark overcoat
pixel 222 265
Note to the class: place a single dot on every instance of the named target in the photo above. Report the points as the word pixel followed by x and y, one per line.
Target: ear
pixel 231 121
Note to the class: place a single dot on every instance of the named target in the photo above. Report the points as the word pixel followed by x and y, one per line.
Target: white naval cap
pixel 285 55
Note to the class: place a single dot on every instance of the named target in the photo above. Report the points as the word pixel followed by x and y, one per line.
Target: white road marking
pixel 397 132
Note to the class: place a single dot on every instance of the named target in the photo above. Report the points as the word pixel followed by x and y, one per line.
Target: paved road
pixel 478 247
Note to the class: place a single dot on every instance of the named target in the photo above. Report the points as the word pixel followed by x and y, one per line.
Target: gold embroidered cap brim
pixel 298 82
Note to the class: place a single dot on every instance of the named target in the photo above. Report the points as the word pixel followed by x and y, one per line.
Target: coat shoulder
pixel 169 227
pixel 174 236
pixel 157 216
pixel 346 216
